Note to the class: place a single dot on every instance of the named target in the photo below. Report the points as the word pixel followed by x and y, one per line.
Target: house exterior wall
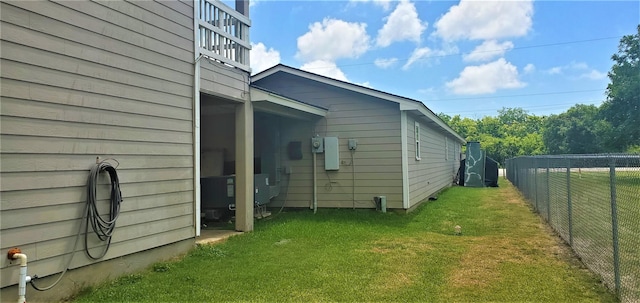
pixel 376 164
pixel 437 165
pixel 79 80
pixel 221 81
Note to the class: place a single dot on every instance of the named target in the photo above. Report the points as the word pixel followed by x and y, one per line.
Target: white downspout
pixel 315 185
pixel 196 115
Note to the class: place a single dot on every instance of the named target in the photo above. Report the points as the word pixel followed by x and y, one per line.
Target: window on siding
pixel 446 148
pixel 417 137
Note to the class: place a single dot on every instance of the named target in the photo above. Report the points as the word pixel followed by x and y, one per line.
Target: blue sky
pixel 459 57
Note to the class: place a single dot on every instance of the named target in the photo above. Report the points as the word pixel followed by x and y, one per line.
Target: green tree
pixel 491 126
pixel 579 130
pixel 622 107
pixel 465 127
pixel 514 132
pixel 444 117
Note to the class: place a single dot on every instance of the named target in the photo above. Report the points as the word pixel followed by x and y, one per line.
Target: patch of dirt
pixel 398 257
pixel 404 246
pixel 479 266
pixel 511 195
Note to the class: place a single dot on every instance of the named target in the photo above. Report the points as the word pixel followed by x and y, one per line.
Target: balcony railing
pixel 224 34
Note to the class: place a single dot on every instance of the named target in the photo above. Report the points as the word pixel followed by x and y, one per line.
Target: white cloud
pixel 529 68
pixel 578 65
pixel 333 39
pixel 488 50
pixel 403 24
pixel 385 63
pixel 577 70
pixel 555 70
pixel 485 20
pixel 424 53
pixel 262 58
pixel 385 4
pixel 325 68
pixel 486 78
pixel 594 75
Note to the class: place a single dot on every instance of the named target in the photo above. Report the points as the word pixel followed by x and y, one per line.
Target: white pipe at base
pixel 23 279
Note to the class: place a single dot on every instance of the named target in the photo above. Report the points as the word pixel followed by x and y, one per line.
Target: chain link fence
pixel 593 203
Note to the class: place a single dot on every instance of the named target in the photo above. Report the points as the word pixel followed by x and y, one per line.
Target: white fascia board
pixel 258 95
pixel 429 115
pixel 408 106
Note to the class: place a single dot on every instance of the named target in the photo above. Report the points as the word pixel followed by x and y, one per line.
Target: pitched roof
pixel 406 104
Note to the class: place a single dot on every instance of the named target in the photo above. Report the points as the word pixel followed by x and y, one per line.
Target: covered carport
pixel 245 140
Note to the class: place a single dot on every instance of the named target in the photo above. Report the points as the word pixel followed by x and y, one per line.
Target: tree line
pixel 614 126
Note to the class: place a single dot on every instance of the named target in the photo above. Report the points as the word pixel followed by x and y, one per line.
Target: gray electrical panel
pixel 331 153
pixel 352 144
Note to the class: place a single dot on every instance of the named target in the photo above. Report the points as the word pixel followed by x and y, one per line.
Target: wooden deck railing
pixel 224 34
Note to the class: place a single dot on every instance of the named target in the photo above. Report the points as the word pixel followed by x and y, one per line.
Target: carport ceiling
pixel 212 105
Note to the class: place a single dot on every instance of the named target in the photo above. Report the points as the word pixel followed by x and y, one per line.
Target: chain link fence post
pixel 548 193
pixel 614 224
pixel 569 212
pixel 535 182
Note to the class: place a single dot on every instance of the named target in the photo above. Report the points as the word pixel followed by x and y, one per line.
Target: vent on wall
pixel 295 150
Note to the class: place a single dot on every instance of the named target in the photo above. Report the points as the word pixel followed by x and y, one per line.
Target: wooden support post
pixel 244 167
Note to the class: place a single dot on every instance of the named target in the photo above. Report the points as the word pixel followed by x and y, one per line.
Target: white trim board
pixel 405 160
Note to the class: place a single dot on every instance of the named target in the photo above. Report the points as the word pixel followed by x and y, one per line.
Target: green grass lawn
pixel 504 254
pixel 592 221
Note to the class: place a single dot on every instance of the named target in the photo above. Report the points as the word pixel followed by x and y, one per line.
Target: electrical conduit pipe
pixel 16 254
pixel 315 186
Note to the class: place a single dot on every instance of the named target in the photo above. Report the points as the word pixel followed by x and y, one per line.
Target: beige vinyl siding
pixel 223 81
pixel 434 171
pixel 85 79
pixel 377 161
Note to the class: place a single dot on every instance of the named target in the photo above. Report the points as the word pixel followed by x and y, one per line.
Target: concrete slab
pixel 209 236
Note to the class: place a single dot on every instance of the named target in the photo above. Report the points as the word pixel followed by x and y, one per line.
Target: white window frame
pixel 446 148
pixel 416 134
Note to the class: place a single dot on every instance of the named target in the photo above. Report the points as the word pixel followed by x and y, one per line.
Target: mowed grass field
pixel 506 253
pixel 591 218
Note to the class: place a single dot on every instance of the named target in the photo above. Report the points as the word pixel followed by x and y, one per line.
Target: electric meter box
pixel 317 145
pixel 331 153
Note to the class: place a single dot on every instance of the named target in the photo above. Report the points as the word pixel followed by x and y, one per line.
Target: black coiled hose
pixel 102 228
